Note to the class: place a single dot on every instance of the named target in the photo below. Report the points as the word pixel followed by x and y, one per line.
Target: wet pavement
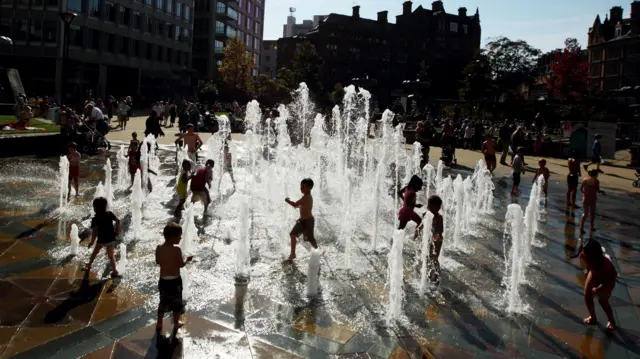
pixel 50 308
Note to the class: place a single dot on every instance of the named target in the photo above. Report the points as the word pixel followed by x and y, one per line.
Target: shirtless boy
pixel 488 149
pixel 169 258
pixel 590 188
pixel 199 182
pixel 192 141
pixel 543 171
pixel 74 168
pixel 306 223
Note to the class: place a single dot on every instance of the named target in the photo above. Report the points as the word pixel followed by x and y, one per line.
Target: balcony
pixel 226 14
pixel 225 33
pixel 232 4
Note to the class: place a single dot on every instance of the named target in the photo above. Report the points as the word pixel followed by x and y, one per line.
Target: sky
pixel 544 24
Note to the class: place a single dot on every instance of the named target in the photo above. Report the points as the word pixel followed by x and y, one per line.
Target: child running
pixel 199 183
pixel 488 149
pixel 518 170
pixel 102 228
pixel 434 203
pixel 134 159
pixel 408 196
pixel 134 139
pixel 192 141
pixel 572 179
pixel 601 279
pixel 590 188
pixel 74 168
pixel 543 171
pixel 169 258
pixel 227 162
pixel 305 225
pixel 181 186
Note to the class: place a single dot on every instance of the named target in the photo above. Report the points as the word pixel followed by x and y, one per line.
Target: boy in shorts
pixel 169 258
pixel 102 228
pixel 518 170
pixel 74 168
pixel 306 223
pixel 434 203
pixel 488 149
pixel 199 182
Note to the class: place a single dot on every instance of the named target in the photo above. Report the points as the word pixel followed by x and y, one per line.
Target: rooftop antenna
pixel 292 10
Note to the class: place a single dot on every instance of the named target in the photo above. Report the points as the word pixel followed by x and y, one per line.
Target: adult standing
pixel 505 141
pixel 152 125
pixel 517 141
pixel 130 104
pixel 121 112
pixel 173 112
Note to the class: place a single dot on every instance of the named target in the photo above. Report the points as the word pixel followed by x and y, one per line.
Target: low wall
pixel 41 144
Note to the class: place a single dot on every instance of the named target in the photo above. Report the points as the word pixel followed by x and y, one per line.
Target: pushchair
pixel 90 137
pixel 636 183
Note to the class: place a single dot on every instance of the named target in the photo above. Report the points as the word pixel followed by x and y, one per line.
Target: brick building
pixel 116 47
pixel 614 49
pixel 385 54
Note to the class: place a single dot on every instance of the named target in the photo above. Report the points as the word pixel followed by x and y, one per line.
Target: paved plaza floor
pixel 50 308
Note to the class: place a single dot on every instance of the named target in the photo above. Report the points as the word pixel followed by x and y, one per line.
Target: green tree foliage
pixel 286 78
pixel 237 66
pixel 337 94
pixel 513 62
pixel 307 67
pixel 476 84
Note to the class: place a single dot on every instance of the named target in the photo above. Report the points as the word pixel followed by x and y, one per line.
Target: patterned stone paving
pixel 50 309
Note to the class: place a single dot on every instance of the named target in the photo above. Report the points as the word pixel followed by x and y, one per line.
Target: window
pixel 147 2
pixel 124 45
pixel 596 55
pixel 160 54
pixel 187 35
pixel 50 31
pixel 249 8
pixel 137 48
pixel 465 28
pixel 149 24
pixel 74 5
pixel 150 48
pixel 219 27
pixel 19 30
pixel 95 40
pixel 232 14
pixel 137 20
pixel 169 6
pixel 248 41
pixel 35 30
pixel 231 32
pixel 76 36
pixel 618 30
pixel 178 9
pixel 171 31
pixel 256 43
pixel 267 58
pixel 176 34
pixel 187 13
pixel 125 15
pixel 611 69
pixel 613 53
pixel 453 26
pixel 257 12
pixel 256 27
pixel 111 43
pixel 95 8
pixel 110 9
pixel 159 4
pixel 219 47
pixel 169 55
pixel 161 28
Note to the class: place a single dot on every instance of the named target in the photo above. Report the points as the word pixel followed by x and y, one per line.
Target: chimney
pixel 635 10
pixel 462 12
pixel 615 14
pixel 382 17
pixel 356 12
pixel 436 6
pixel 406 7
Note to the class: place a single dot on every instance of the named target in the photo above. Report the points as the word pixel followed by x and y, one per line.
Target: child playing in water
pixel 408 196
pixel 434 203
pixel 134 159
pixel 102 228
pixel 488 149
pixel 590 188
pixel 134 139
pixel 181 186
pixel 192 141
pixel 601 279
pixel 227 162
pixel 199 183
pixel 305 225
pixel 572 179
pixel 518 170
pixel 169 258
pixel 543 171
pixel 74 168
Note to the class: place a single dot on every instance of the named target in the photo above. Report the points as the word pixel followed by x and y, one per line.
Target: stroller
pixel 636 183
pixel 90 137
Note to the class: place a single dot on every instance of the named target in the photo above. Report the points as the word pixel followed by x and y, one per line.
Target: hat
pixel 190 125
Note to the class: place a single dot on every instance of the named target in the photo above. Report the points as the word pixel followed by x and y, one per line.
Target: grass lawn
pixel 34 122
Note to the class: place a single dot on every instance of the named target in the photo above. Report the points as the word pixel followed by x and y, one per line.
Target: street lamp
pixel 66 17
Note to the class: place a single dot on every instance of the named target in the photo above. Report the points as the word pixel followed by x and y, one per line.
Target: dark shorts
pixel 74 172
pixel 490 158
pixel 407 214
pixel 305 228
pixel 596 159
pixel 572 179
pixel 109 242
pixel 516 178
pixel 171 296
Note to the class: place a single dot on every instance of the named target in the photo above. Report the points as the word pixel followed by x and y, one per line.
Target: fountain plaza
pixel 509 286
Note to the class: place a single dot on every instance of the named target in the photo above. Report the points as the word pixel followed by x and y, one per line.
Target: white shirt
pixel 157 109
pixel 467 132
pixel 96 114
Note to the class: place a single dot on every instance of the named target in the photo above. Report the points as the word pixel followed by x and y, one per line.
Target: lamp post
pixel 66 17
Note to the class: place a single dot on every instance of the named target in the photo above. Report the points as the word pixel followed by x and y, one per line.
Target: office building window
pixel 256 43
pixel 170 31
pixel 125 15
pixel 453 26
pixel 178 9
pixel 169 55
pixel 169 6
pixel 35 30
pixel 160 53
pixel 248 41
pixel 220 8
pixel 249 8
pixel 219 47
pixel 95 8
pixel 219 27
pixel 19 30
pixel 50 31
pixel 76 36
pixel 186 35
pixel 256 27
pixel 110 9
pixel 257 12
pixel 147 2
pixel 161 28
pixel 187 13
pixel 95 40
pixel 149 24
pixel 137 48
pixel 74 5
pixel 150 50
pixel 159 4
pixel 176 34
pixel 124 45
pixel 111 43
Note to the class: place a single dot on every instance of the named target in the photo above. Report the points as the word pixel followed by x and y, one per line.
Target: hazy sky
pixel 543 23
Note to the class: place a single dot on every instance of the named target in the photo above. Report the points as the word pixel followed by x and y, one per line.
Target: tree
pixel 476 83
pixel 569 78
pixel 513 62
pixel 286 78
pixel 237 66
pixel 307 66
pixel 337 94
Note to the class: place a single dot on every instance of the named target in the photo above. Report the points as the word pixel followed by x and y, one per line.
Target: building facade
pixel 217 22
pixel 291 28
pixel 382 56
pixel 115 47
pixel 269 58
pixel 614 49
